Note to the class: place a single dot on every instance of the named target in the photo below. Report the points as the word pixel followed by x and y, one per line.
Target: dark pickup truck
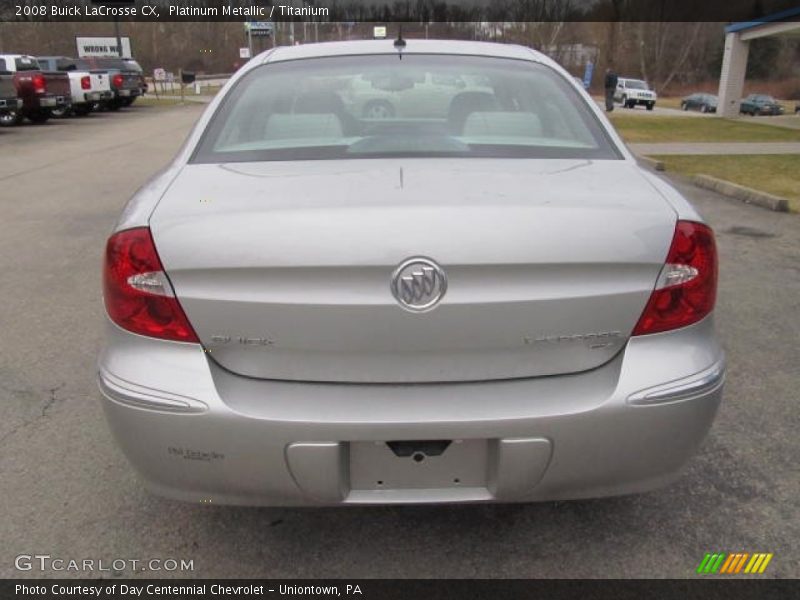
pixel 40 91
pixel 127 79
pixel 9 102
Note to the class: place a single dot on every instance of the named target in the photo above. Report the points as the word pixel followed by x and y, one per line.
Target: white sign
pixel 244 52
pixel 260 25
pixel 379 32
pixel 159 74
pixel 102 46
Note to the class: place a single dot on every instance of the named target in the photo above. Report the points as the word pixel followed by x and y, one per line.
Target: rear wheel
pixel 39 117
pixel 82 110
pixel 651 105
pixel 113 105
pixel 61 112
pixel 10 118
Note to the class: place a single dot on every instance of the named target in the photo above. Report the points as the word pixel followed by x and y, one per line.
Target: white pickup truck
pixel 88 87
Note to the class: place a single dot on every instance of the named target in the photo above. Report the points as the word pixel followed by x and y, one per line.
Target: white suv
pixel 631 92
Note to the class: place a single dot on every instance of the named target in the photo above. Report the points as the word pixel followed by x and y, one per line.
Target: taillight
pixel 116 81
pixel 39 85
pixel 138 296
pixel 86 82
pixel 687 286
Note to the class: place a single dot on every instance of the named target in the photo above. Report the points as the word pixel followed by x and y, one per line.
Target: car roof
pixel 413 46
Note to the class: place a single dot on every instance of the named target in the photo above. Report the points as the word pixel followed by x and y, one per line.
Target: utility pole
pixel 116 33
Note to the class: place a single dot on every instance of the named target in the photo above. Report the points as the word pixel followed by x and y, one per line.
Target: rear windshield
pixel 26 63
pixel 420 106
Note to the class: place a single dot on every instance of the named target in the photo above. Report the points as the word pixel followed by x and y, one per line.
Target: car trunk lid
pixel 284 268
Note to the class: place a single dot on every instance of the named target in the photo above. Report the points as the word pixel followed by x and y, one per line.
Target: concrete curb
pixel 652 163
pixel 739 192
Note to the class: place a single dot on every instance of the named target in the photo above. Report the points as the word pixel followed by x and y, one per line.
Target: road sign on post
pixel 244 52
pixel 262 28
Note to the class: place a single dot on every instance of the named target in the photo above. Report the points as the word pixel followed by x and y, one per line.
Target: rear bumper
pixel 198 433
pixel 128 93
pixel 97 96
pixel 49 101
pixel 12 103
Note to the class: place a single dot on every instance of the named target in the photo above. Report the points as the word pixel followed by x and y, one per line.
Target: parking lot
pixel 68 491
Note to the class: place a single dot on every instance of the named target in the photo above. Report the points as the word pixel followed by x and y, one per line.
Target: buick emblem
pixel 418 284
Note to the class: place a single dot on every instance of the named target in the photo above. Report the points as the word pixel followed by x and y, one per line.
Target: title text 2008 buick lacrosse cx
pixel 388 273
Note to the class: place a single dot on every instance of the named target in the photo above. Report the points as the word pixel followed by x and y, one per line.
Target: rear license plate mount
pixel 410 465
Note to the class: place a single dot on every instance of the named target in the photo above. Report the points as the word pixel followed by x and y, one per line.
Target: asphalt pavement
pixel 68 492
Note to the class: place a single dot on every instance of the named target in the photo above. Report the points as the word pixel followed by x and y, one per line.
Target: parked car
pixel 40 91
pixel 126 76
pixel 631 92
pixel 9 101
pixel 455 307
pixel 87 86
pixel 760 104
pixel 706 103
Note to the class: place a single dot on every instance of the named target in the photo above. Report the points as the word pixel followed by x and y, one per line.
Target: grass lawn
pixel 205 90
pixel 151 100
pixel 670 102
pixel 654 129
pixel 777 174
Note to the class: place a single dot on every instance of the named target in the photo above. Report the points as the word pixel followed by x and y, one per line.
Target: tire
pixel 82 111
pixel 61 113
pixel 10 118
pixel 378 109
pixel 39 117
pixel 126 101
pixel 113 105
pixel 650 105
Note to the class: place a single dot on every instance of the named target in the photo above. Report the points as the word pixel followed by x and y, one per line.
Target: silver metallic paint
pixel 625 420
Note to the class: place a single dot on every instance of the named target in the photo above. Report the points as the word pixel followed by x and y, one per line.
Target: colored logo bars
pixel 731 564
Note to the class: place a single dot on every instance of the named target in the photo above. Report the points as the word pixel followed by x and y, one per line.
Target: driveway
pixel 68 492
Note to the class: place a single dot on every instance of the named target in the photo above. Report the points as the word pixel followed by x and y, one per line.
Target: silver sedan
pixel 481 297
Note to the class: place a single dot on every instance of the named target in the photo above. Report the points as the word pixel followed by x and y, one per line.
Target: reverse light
pixel 137 293
pixel 86 82
pixel 686 289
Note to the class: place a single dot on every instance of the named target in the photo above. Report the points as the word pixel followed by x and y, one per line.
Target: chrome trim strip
pixel 700 383
pixel 130 394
